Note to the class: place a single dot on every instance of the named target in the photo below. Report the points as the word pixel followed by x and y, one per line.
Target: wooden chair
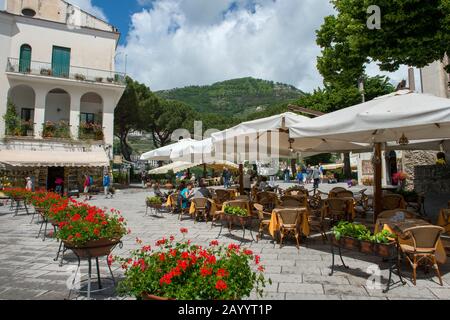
pixel 425 240
pixel 337 190
pixel 335 209
pixel 392 202
pixel 362 200
pixel 222 196
pixel 201 208
pixel 264 220
pixel 294 201
pixel 182 211
pixel 419 205
pixel 391 213
pixel 290 220
pixel 174 200
pixel 318 223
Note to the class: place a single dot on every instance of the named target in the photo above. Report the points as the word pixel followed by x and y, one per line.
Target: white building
pixel 57 68
pixel 435 80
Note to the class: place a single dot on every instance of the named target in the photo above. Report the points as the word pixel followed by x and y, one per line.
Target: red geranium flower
pixel 206 272
pixel 222 273
pixel 76 217
pixel 248 252
pixel 221 285
pixel 78 235
pixel 214 243
pixel 257 259
pixel 184 230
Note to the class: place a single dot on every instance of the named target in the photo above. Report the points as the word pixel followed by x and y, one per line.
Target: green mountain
pixel 237 98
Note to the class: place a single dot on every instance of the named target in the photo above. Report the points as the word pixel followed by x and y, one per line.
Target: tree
pixel 126 117
pixel 413 33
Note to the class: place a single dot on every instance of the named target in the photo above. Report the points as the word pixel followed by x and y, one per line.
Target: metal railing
pixel 66 72
pixel 24 129
pixel 91 132
pixel 59 130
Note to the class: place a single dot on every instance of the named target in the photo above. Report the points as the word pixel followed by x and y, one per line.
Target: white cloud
pixel 87 6
pixel 175 43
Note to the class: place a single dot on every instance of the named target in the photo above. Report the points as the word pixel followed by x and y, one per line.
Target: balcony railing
pixel 66 72
pixel 59 130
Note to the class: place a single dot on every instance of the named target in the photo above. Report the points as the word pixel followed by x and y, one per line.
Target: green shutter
pixel 61 62
pixel 25 59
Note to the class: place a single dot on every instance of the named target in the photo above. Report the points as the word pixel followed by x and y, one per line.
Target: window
pixel 25 59
pixel 87 117
pixel 27 114
pixel 28 12
pixel 61 62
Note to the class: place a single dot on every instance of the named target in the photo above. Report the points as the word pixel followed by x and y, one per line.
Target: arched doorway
pixel 23 98
pixel 91 116
pixel 57 114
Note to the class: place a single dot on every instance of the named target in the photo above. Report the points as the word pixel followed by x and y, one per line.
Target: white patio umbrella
pixel 174 166
pixel 402 116
pixel 163 153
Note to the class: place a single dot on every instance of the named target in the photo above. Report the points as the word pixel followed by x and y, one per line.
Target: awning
pixel 182 166
pixel 25 158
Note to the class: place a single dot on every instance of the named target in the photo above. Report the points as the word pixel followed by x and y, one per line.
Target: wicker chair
pixel 318 223
pixel 296 191
pixel 392 202
pixel 337 190
pixel 344 194
pixel 269 200
pixel 222 196
pixel 425 240
pixel 264 220
pixel 174 200
pixel 335 209
pixel 390 213
pixel 294 201
pixel 201 208
pixel 290 220
pixel 362 200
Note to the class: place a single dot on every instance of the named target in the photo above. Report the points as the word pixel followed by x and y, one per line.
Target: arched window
pixel 25 59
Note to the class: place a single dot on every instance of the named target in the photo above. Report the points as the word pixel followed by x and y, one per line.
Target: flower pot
pixel 367 247
pixel 385 250
pixel 93 248
pixel 149 297
pixel 351 244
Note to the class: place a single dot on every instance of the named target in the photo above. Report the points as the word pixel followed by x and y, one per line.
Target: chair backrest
pixel 392 201
pixel 294 201
pixel 295 191
pixel 289 216
pixel 337 190
pixel 390 213
pixel 425 237
pixel 344 194
pixel 223 195
pixel 174 197
pixel 200 203
pixel 337 206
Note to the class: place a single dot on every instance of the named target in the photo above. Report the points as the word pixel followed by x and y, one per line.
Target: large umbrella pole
pixel 241 179
pixel 377 192
pixel 204 171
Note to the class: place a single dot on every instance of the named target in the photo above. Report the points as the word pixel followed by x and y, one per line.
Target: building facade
pixel 58 91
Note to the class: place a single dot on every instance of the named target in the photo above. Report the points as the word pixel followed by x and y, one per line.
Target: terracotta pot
pixel 351 244
pixel 148 297
pixel 93 248
pixel 367 247
pixel 385 250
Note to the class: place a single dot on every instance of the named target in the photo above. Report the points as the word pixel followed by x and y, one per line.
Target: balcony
pixel 70 72
pixel 59 130
pixel 20 129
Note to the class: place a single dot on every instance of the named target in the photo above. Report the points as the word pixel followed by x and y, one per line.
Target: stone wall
pixel 412 159
pixel 432 179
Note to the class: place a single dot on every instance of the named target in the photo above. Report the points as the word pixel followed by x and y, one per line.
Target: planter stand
pixel 154 209
pixel 393 261
pixel 243 222
pixel 99 286
pixel 18 207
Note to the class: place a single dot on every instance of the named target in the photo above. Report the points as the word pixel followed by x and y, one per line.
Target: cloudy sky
pixel 175 43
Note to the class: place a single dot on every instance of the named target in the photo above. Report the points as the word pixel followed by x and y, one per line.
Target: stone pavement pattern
pixel 28 271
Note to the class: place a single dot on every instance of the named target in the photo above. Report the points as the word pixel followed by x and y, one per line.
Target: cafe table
pixel 274 226
pixel 398 228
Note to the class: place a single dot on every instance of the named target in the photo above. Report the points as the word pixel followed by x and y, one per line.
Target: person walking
pixel 287 175
pixel 86 186
pixel 106 184
pixel 29 184
pixel 309 173
pixel 226 175
pixel 316 177
pixel 59 182
pixel 300 177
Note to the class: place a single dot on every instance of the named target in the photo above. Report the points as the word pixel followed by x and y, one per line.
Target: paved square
pixel 28 270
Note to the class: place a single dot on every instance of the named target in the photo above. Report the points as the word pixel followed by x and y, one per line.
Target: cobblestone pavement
pixel 28 270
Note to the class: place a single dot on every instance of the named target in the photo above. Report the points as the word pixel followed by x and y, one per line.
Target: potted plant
pixel 183 271
pixel 46 72
pixel 154 202
pixel 110 80
pixel 99 79
pixel 79 76
pixel 89 231
pixel 384 244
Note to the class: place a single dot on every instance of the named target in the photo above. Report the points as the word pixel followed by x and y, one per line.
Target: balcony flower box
pixel 99 79
pixel 80 77
pixel 46 72
pixel 110 80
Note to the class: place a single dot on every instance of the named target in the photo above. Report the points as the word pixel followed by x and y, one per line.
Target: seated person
pixel 203 191
pixel 157 191
pixel 186 195
pixel 263 185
